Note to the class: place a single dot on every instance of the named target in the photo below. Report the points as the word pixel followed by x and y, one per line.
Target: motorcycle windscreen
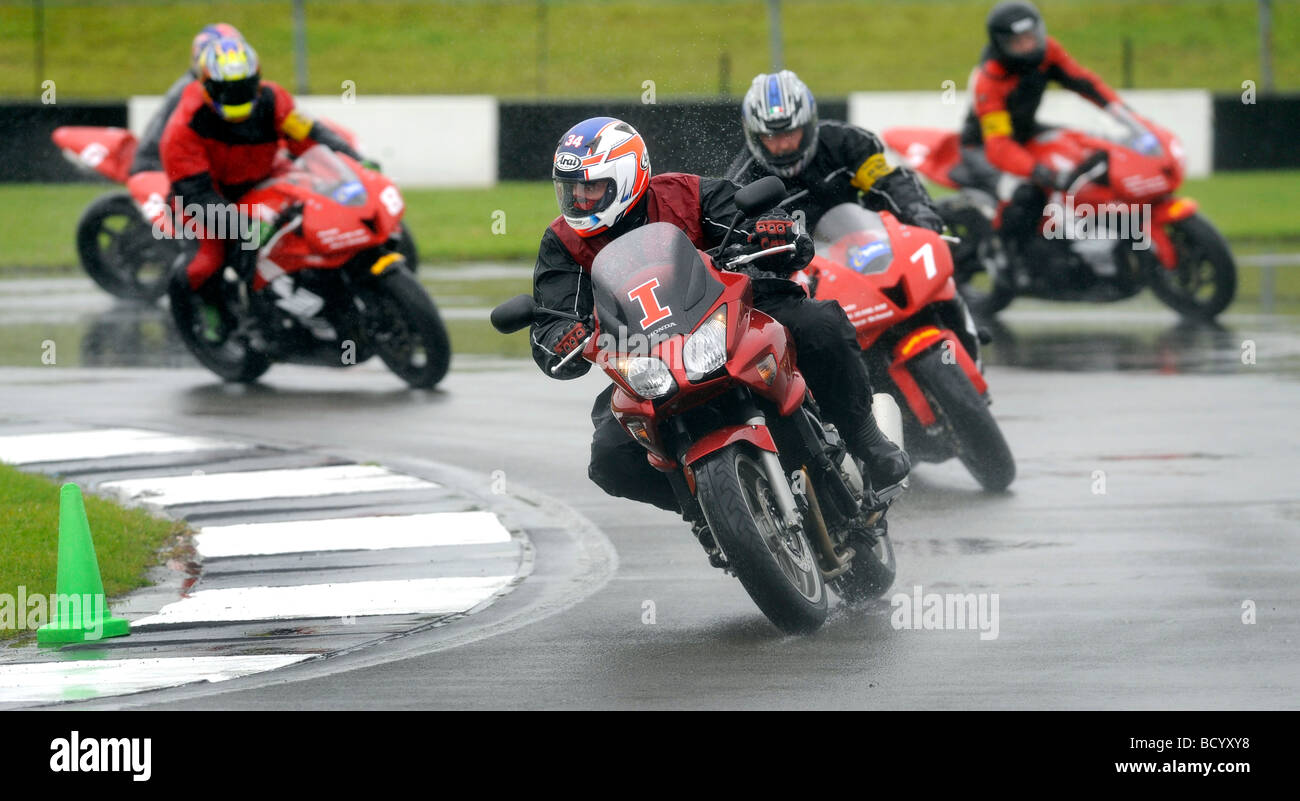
pixel 854 237
pixel 652 281
pixel 320 171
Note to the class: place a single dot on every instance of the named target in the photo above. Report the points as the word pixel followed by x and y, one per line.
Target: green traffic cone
pixel 79 612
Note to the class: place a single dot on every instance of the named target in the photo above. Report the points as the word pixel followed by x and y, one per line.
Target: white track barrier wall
pixel 451 140
pixel 417 140
pixel 1189 113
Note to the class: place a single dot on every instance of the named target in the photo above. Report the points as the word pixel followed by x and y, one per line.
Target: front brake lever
pixel 741 260
pixel 576 351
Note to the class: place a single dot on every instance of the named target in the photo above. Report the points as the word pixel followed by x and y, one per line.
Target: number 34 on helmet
pixel 601 170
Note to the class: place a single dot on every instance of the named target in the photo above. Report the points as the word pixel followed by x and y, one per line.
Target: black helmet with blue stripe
pixel 780 119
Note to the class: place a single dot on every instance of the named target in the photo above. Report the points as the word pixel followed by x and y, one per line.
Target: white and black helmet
pixel 779 103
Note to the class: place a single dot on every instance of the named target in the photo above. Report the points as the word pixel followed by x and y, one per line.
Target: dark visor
pixel 571 205
pixel 233 93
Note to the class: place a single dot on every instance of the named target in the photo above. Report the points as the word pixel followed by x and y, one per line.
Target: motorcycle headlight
pixel 649 377
pixel 706 350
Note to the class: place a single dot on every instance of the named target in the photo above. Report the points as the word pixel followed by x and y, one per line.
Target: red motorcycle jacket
pixel 701 207
pixel 212 161
pixel 1006 102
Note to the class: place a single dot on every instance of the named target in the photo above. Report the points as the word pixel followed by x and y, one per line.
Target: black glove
pixel 925 217
pixel 1048 178
pixel 774 229
pixel 573 338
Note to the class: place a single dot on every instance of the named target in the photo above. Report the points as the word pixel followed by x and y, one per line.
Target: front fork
pixel 820 513
pixel 683 482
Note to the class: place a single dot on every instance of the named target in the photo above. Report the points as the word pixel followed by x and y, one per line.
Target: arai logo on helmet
pixel 566 162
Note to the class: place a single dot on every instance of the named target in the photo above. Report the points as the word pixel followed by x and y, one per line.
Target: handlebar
pixel 739 260
pixel 575 352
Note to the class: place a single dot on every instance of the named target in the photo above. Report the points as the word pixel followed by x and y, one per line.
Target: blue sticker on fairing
pixel 863 255
pixel 348 192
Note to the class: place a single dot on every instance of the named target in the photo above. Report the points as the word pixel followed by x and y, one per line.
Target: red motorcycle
pixel 709 386
pixel 327 287
pixel 115 235
pixel 918 340
pixel 124 239
pixel 1118 227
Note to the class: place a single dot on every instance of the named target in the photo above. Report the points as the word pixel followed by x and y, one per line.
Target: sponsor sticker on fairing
pixel 862 256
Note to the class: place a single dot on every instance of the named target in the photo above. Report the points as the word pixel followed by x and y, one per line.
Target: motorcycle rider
pixel 823 162
pixel 222 140
pixel 147 157
pixel 1015 68
pixel 605 188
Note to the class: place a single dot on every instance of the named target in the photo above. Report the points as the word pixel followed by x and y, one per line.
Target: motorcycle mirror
pixel 514 314
pixel 756 198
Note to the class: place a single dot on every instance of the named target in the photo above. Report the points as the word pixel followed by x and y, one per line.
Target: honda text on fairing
pixel 918 341
pixel 327 287
pixel 709 386
pixel 126 241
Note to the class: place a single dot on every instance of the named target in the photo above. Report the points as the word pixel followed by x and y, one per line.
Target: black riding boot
pixel 886 462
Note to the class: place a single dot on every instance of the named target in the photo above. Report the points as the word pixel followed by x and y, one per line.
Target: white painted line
pixel 66 446
pixel 441 596
pixel 262 484
pixel 49 682
pixel 352 534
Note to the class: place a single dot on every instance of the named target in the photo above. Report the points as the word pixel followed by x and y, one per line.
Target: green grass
pixel 127 541
pixel 1251 207
pixel 587 48
pixel 38 221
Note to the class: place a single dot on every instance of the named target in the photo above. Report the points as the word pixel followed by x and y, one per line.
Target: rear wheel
pixel 119 251
pixel 986 293
pixel 231 357
pixel 873 566
pixel 777 568
pixel 407 330
pixel 975 435
pixel 1205 279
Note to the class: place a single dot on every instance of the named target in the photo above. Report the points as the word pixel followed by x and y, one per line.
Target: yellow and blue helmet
pixel 231 77
pixel 205 37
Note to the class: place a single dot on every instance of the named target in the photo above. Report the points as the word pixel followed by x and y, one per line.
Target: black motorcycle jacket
pixel 848 167
pixel 701 207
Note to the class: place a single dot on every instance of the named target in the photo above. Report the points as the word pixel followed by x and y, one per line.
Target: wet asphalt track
pixel 1128 599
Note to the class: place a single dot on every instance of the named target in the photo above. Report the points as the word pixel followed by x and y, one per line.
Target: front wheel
pixel 973 432
pixel 777 567
pixel 228 353
pixel 980 250
pixel 1205 279
pixel 406 247
pixel 408 331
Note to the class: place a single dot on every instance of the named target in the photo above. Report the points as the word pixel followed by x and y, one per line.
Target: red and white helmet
pixel 601 170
